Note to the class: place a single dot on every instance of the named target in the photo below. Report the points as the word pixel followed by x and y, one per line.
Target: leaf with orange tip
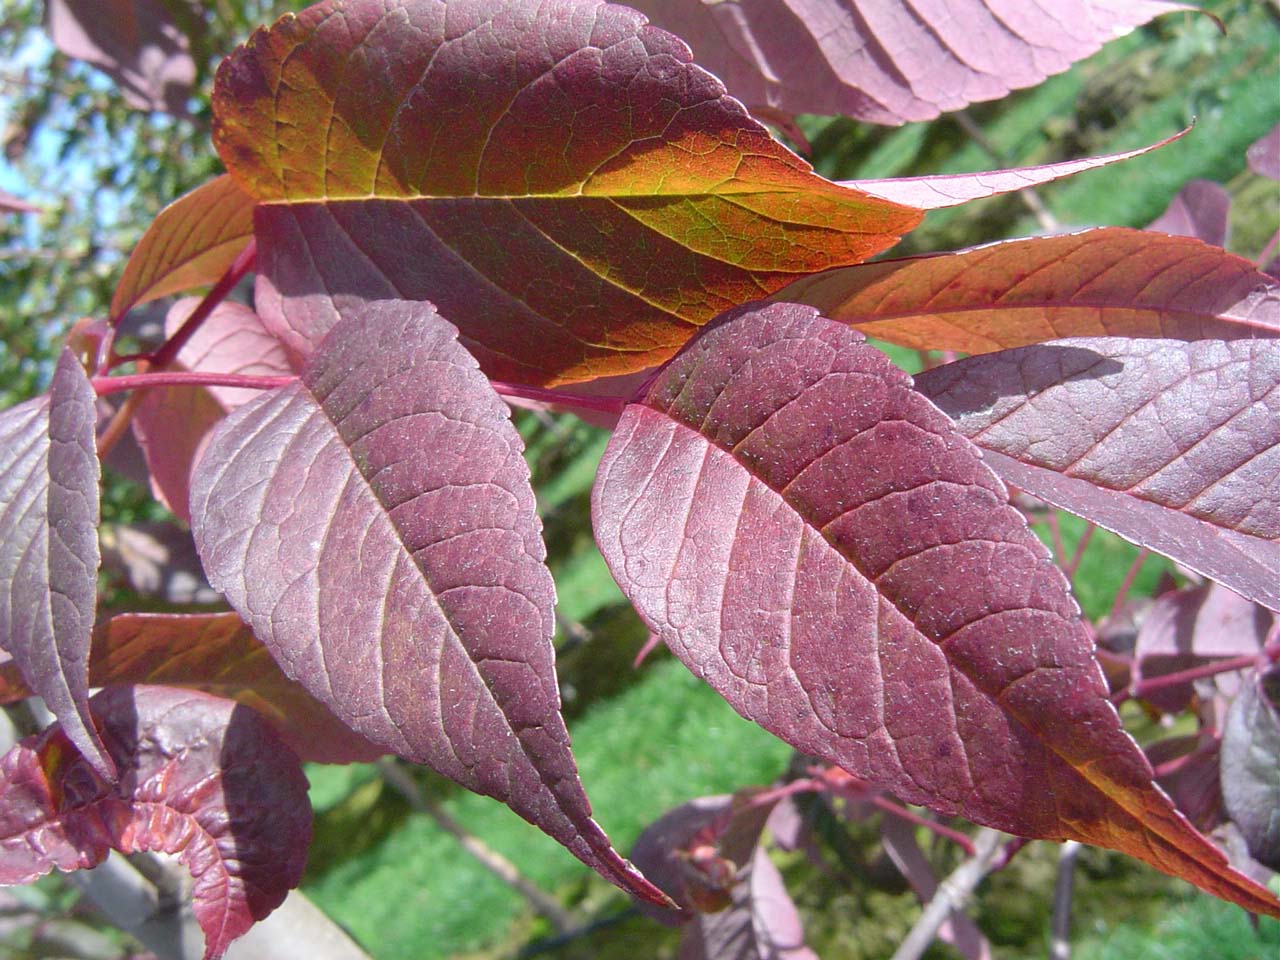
pixel 1110 281
pixel 558 178
pixel 190 243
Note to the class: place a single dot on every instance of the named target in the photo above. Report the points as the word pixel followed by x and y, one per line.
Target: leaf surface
pixel 190 243
pixel 1251 765
pixel 1105 282
pixel 375 526
pixel 216 653
pixel 135 42
pixel 557 177
pixel 1173 445
pixel 201 778
pixel 818 542
pixel 890 61
pixel 49 547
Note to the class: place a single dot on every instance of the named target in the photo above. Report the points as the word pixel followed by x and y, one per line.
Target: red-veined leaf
pixel 1173 445
pixel 1251 765
pixel 1201 209
pixel 201 778
pixel 49 547
pixel 557 177
pixel 216 653
pixel 818 542
pixel 172 424
pixel 1105 282
pixel 374 525
pixel 890 61
pixel 190 243
pixel 135 42
pixel 951 189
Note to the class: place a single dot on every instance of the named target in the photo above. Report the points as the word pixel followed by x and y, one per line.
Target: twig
pixel 502 868
pixel 1060 945
pixel 952 894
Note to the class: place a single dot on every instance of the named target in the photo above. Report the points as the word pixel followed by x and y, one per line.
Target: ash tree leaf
pixel 374 524
pixel 172 425
pixel 216 653
pixel 201 778
pixel 890 61
pixel 1172 445
pixel 190 243
pixel 1105 282
pixel 1250 769
pixel 49 547
pixel 555 175
pixel 135 42
pixel 817 541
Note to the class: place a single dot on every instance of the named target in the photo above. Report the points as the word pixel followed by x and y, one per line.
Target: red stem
pixel 181 378
pixel 1268 251
pixel 1127 584
pixel 1081 546
pixel 942 830
pixel 242 264
pixel 583 401
pixel 1144 687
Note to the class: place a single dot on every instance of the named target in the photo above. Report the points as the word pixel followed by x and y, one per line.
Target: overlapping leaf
pixel 1173 445
pixel 135 42
pixel 49 547
pixel 1104 282
pixel 172 424
pixel 218 654
pixel 201 778
pixel 820 544
pixel 890 61
pixel 557 177
pixel 374 525
pixel 190 243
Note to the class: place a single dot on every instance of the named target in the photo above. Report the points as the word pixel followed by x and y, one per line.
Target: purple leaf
pixel 815 539
pixel 135 42
pixel 49 547
pixel 1201 210
pixel 1172 445
pixel 1192 627
pixel 201 778
pixel 890 61
pixel 374 525
pixel 1264 155
pixel 951 189
pixel 1251 765
pixel 1187 769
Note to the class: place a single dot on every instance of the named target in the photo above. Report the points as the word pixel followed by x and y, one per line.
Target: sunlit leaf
pixel 201 778
pixel 818 542
pixel 557 177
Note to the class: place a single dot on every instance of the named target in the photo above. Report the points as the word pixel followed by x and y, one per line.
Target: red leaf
pixel 815 539
pixel 374 524
pixel 200 778
pixel 135 42
pixel 49 547
pixel 1201 210
pixel 1104 282
pixel 1172 445
pixel 890 61
pixel 1250 761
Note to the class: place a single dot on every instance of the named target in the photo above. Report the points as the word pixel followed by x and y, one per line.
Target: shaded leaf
pixel 156 560
pixel 1189 628
pixel 190 243
pixel 1201 210
pixel 375 526
pixel 1251 765
pixel 218 654
pixel 1172 445
pixel 815 539
pixel 952 189
pixel 889 62
pixel 49 547
pixel 1187 769
pixel 1105 282
pixel 557 177
pixel 172 424
pixel 1264 155
pixel 200 778
pixel 135 42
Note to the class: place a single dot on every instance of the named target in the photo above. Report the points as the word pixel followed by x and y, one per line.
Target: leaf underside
pixel 374 525
pixel 557 177
pixel 819 543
